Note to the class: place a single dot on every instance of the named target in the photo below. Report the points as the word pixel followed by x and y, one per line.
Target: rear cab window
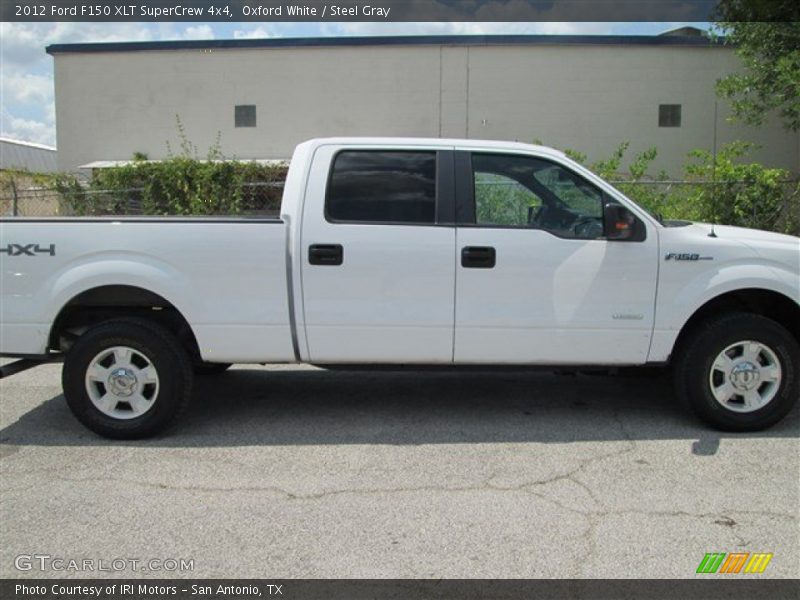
pixel 382 186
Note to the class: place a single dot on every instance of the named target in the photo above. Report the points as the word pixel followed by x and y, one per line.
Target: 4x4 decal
pixel 28 249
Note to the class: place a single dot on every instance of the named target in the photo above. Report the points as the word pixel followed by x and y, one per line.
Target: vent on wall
pixel 669 115
pixel 244 115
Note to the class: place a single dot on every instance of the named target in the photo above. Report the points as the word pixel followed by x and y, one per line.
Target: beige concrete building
pixel 587 93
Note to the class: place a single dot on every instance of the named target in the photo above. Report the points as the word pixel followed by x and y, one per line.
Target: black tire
pixel 208 368
pixel 695 359
pixel 170 396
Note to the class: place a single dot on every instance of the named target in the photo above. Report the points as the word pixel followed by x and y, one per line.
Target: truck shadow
pixel 312 406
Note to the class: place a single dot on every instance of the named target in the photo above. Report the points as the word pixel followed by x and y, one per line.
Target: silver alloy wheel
pixel 745 377
pixel 122 382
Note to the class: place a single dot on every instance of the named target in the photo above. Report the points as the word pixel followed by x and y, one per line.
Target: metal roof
pixel 37 158
pixel 110 164
pixel 28 144
pixel 399 40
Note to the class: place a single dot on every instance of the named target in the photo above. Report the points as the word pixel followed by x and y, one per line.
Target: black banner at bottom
pixel 408 589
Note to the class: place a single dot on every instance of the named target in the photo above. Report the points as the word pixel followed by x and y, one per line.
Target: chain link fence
pixel 740 203
pixel 254 199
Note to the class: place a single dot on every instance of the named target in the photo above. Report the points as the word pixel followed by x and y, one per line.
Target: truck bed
pixel 227 276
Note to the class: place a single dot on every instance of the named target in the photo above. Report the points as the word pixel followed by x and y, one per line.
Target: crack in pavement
pixel 590 513
pixel 723 514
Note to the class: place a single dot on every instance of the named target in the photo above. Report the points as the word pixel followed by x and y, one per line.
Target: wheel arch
pixel 105 302
pixel 765 302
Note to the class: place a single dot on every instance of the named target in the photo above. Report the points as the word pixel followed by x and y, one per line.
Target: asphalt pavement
pixel 297 472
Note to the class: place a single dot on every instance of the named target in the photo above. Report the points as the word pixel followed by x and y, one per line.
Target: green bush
pixel 646 190
pixel 742 193
pixel 182 184
pixel 728 190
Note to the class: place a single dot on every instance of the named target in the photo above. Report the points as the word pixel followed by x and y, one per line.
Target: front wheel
pixel 127 379
pixel 738 372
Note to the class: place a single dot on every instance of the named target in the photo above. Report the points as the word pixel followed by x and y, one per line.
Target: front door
pixel 536 281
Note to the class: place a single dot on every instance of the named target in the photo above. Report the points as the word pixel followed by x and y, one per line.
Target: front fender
pixel 676 304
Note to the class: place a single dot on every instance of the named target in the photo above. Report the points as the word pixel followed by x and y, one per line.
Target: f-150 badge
pixel 686 256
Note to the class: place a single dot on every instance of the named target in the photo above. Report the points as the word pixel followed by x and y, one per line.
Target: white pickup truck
pixel 409 251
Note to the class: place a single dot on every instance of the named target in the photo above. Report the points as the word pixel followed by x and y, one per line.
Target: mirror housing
pixel 620 224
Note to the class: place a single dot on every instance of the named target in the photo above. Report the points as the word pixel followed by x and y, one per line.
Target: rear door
pixel 536 280
pixel 378 239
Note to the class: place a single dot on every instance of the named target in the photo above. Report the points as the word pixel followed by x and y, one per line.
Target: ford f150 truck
pixel 409 251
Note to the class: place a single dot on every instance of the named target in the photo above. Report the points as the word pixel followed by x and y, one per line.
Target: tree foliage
pixel 766 35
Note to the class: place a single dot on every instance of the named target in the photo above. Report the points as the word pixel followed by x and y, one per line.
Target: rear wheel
pixel 127 379
pixel 738 372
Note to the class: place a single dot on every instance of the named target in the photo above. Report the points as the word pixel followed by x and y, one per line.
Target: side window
pixel 524 191
pixel 382 187
pixel 500 200
pixel 577 195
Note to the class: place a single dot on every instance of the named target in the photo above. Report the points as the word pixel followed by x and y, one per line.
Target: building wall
pixel 585 97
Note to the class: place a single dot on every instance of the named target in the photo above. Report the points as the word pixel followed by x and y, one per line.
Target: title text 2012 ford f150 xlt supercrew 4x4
pixel 410 251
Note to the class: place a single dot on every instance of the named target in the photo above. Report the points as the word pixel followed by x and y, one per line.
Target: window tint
pixel 523 191
pixel 387 187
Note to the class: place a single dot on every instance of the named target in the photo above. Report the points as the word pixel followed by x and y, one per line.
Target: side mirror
pixel 621 224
